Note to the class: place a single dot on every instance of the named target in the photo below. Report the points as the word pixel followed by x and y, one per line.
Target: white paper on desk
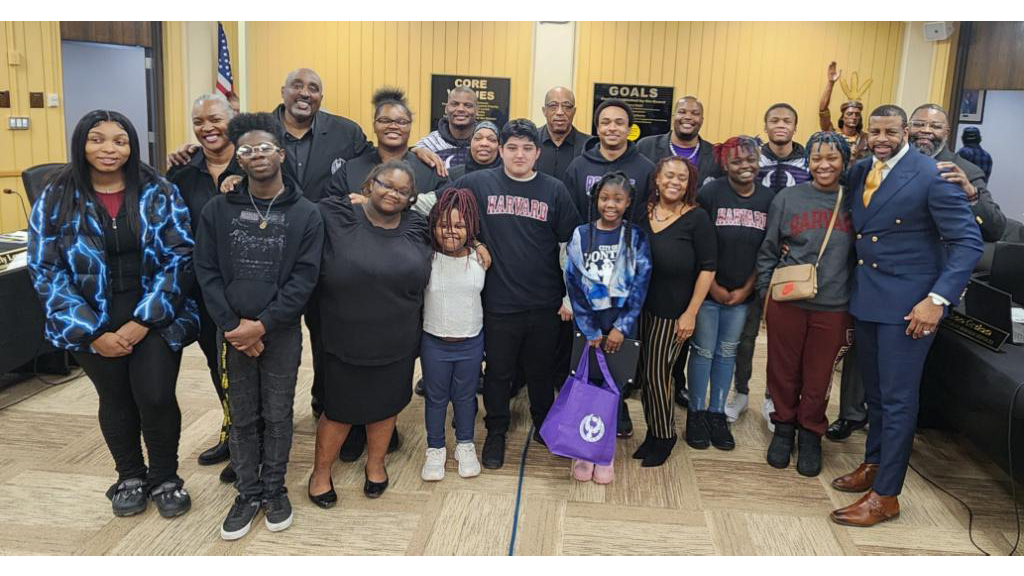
pixel 19 261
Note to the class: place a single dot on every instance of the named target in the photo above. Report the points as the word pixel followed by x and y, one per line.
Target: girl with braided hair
pixel 607 269
pixel 452 345
pixel 738 206
pixel 807 338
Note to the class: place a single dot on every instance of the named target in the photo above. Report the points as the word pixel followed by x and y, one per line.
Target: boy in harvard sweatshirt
pixel 610 151
pixel 257 264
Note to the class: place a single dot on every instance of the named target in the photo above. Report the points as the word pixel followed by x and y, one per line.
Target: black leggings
pixel 136 394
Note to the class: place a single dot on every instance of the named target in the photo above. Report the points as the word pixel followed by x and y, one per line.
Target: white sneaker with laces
pixel 736 406
pixel 465 453
pixel 433 468
pixel 766 410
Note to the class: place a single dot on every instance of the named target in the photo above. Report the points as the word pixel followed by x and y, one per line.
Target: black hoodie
pixel 589 167
pixel 264 274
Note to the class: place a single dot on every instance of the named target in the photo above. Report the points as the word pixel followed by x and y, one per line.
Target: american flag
pixel 224 81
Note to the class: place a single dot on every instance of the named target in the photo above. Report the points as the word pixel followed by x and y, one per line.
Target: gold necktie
pixel 873 181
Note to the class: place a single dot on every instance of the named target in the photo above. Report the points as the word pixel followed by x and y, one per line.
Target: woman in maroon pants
pixel 806 338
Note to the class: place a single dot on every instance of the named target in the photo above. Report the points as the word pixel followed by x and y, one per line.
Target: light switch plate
pixel 17 123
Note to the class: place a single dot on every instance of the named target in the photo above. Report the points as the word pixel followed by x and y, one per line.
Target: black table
pixel 21 321
pixel 968 388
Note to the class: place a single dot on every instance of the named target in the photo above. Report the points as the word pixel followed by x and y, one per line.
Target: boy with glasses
pixel 257 264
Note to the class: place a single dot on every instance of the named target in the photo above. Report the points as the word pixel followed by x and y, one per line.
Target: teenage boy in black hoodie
pixel 257 266
pixel 611 150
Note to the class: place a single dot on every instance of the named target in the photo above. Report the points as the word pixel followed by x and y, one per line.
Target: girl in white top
pixel 452 347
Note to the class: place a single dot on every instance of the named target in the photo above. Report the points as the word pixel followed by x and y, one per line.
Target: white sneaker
pixel 465 453
pixel 433 468
pixel 736 406
pixel 766 410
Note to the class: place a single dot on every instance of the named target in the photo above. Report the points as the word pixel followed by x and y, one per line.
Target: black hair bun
pixel 388 94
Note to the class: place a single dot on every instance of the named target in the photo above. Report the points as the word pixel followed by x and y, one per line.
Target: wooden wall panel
pixel 125 33
pixel 355 58
pixel 995 60
pixel 739 68
pixel 37 46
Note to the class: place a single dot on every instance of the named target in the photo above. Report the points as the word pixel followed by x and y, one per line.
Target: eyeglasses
pixel 390 188
pixel 263 149
pixel 393 121
pixel 919 124
pixel 567 106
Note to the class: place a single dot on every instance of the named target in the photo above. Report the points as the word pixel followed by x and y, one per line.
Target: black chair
pixel 35 178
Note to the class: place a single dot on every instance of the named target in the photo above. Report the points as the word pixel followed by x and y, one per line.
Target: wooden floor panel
pixel 55 468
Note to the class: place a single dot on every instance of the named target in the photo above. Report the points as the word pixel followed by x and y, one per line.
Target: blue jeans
pixel 451 371
pixel 713 353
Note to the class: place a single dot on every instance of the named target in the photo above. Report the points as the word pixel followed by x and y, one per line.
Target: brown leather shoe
pixel 859 480
pixel 871 509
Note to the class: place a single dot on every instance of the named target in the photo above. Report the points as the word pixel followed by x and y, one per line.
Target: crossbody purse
pixel 800 281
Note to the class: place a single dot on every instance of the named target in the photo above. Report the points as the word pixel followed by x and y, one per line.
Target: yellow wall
pixel 943 64
pixel 355 58
pixel 176 101
pixel 37 45
pixel 739 68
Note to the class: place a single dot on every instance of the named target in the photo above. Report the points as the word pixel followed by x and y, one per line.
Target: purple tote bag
pixel 581 422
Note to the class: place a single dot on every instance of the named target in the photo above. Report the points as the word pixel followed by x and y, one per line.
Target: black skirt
pixel 356 394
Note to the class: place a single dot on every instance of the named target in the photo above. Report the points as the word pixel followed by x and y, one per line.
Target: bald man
pixel 560 141
pixel 316 142
pixel 684 140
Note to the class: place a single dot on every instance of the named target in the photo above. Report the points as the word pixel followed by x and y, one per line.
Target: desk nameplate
pixel 975 330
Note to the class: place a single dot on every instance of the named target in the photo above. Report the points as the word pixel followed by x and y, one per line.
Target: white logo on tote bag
pixel 591 428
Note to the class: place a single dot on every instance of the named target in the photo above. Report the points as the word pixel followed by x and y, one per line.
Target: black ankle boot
pixel 697 433
pixel 781 447
pixel 718 429
pixel 659 451
pixel 644 447
pixel 624 428
pixel 808 462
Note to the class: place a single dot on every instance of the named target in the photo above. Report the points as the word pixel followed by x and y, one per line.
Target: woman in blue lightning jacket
pixel 110 254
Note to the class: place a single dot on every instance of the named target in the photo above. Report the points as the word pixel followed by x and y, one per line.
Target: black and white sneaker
pixel 278 511
pixel 240 518
pixel 129 497
pixel 171 498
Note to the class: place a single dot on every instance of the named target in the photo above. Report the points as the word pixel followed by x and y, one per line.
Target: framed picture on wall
pixel 972 106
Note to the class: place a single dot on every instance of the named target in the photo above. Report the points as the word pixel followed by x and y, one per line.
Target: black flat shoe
pixel 228 475
pixel 354 444
pixel 418 389
pixel 842 428
pixel 396 441
pixel 326 500
pixel 374 489
pixel 216 455
pixel 682 397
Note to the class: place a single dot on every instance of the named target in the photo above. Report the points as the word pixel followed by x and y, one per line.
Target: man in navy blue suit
pixel 917 243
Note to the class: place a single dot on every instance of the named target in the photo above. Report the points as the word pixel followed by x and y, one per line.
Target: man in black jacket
pixel 929 131
pixel 560 141
pixel 684 140
pixel 257 261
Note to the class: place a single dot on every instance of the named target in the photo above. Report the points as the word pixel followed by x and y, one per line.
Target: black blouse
pixel 372 282
pixel 679 253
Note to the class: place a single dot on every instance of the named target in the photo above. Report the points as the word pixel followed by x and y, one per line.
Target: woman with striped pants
pixel 683 255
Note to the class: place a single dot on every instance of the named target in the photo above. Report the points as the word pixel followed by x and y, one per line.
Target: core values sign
pixel 492 96
pixel 652 106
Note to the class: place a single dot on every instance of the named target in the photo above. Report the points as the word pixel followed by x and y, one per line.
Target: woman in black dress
pixel 376 266
pixel 683 250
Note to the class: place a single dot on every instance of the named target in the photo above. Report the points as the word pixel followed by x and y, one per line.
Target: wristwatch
pixel 938 300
